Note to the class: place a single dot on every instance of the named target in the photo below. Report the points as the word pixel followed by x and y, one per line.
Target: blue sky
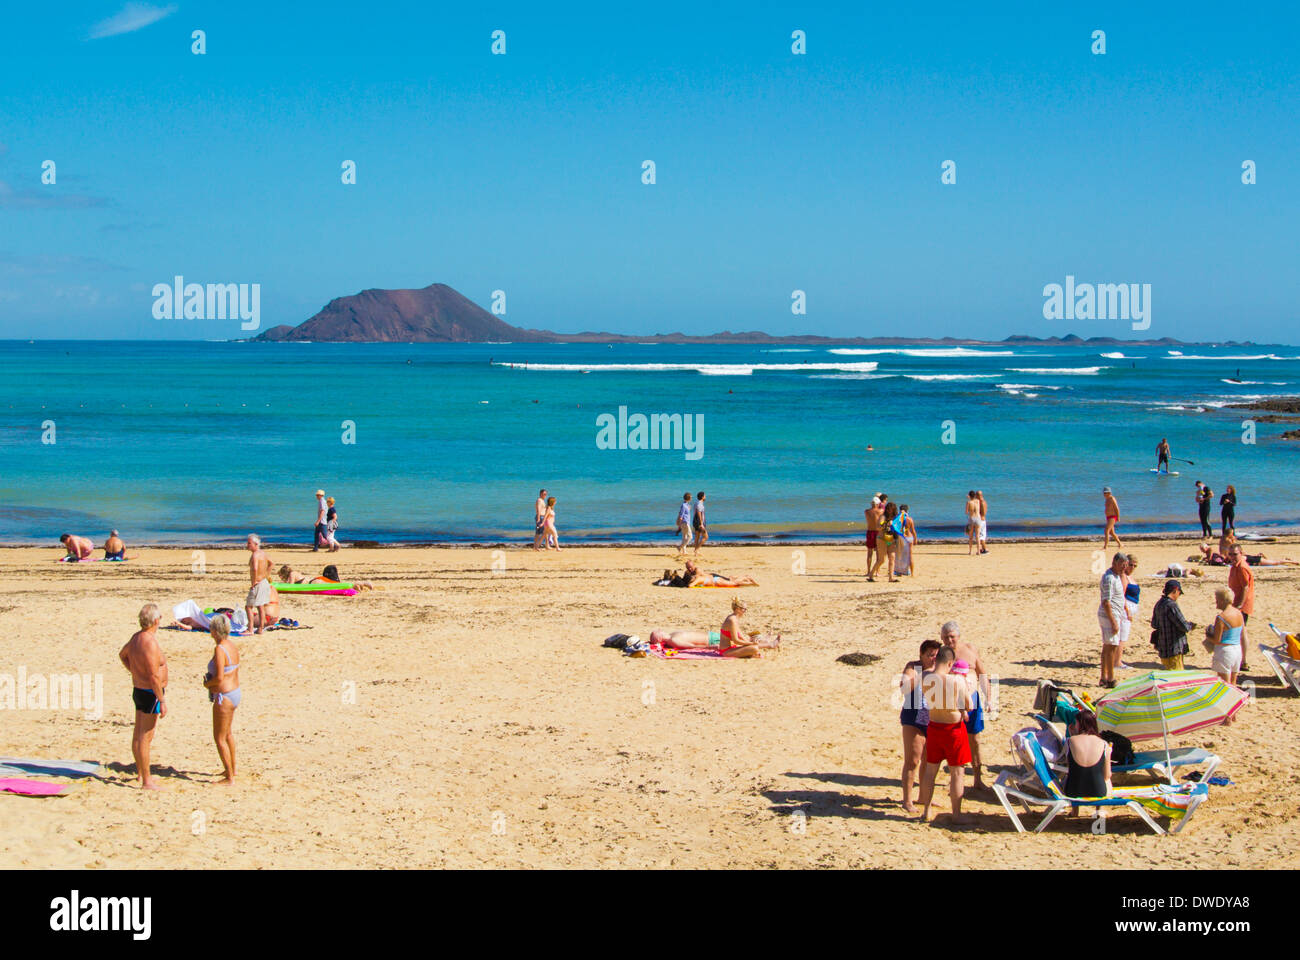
pixel 775 172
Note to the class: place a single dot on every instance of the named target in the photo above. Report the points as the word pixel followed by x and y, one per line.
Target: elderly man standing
pixel 1111 614
pixel 1171 627
pixel 144 658
pixel 319 534
pixel 950 635
pixel 1242 584
pixel 257 605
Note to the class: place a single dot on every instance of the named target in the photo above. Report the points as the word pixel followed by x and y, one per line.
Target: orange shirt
pixel 1242 584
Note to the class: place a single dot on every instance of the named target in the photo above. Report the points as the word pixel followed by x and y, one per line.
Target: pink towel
pixel 32 788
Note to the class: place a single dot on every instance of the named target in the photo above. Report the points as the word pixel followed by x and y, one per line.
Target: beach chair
pixel 1179 803
pixel 1146 761
pixel 1285 667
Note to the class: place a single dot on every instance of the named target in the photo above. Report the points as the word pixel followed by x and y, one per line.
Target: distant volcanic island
pixel 439 314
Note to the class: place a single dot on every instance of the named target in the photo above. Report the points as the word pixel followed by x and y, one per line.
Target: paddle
pixel 1190 463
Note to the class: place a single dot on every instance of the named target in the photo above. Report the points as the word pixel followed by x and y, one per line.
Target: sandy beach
pixel 490 727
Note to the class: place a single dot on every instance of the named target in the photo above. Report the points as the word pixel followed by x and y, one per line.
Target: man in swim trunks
pixel 875 516
pixel 948 700
pixel 684 525
pixel 1112 518
pixel 257 605
pixel 79 548
pixel 539 519
pixel 143 657
pixel 701 527
pixel 1242 584
pixel 114 548
pixel 1162 456
pixel 950 636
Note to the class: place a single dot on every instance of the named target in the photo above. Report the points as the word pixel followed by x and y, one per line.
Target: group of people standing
pixel 942 717
pixel 891 539
pixel 1225 638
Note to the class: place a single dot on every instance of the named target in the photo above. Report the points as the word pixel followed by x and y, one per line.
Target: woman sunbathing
pixel 1216 559
pixel 329 575
pixel 713 639
pixel 696 577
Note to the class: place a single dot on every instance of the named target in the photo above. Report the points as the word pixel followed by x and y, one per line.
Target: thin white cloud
pixel 132 17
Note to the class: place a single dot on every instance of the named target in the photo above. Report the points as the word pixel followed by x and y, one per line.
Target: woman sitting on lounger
pixel 1088 757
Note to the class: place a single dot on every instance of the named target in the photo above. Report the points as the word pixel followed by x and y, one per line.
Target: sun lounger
pixel 1178 803
pixel 1286 669
pixel 1153 761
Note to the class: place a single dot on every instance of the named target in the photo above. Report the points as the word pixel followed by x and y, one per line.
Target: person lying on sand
pixel 694 576
pixel 329 575
pixel 1216 559
pixel 1180 570
pixel 79 548
pixel 114 548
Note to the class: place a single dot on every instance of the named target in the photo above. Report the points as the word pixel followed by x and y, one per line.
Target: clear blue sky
pixel 775 172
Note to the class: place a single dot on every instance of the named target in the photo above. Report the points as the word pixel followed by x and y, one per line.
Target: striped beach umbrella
pixel 1165 703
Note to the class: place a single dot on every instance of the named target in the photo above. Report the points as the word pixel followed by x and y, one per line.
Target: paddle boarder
pixel 1162 456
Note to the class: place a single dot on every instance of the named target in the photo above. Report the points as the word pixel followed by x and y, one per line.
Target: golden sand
pixel 490 727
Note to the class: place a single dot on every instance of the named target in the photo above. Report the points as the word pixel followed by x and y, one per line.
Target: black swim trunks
pixel 146 701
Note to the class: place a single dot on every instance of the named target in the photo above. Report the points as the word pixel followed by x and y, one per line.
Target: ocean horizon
pixel 185 442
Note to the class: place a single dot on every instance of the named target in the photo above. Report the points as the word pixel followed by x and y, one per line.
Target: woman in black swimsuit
pixel 1088 756
pixel 1228 510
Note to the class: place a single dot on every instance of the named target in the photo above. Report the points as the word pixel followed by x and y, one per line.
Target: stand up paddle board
pixel 1164 473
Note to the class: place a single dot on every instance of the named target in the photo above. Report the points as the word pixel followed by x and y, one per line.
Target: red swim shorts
pixel 871 538
pixel 947 741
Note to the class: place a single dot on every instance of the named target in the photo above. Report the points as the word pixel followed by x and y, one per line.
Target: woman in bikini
pixel 1112 518
pixel 222 681
pixel 721 640
pixel 695 576
pixel 548 526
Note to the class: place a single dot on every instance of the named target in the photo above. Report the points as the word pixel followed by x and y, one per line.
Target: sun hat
pixel 960 667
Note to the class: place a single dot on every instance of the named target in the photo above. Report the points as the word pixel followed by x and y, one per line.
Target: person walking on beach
pixel 701 525
pixel 948 702
pixel 318 534
pixel 1112 518
pixel 1242 584
pixel 257 605
pixel 1228 509
pixel 331 525
pixel 906 543
pixel 222 682
pixel 684 525
pixel 548 526
pixel 1204 497
pixel 539 519
pixel 950 635
pixel 144 659
pixel 1111 615
pixel 875 516
pixel 1162 456
pixel 910 718
pixel 983 527
pixel 972 522
pixel 1170 627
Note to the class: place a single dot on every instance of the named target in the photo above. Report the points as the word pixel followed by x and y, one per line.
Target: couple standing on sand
pixel 327 524
pixel 544 522
pixel 144 659
pixel 691 523
pixel 977 522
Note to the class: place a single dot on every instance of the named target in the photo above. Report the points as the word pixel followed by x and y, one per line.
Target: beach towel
pixel 203 616
pixel 903 563
pixel 694 653
pixel 734 586
pixel 17 766
pixel 89 560
pixel 32 788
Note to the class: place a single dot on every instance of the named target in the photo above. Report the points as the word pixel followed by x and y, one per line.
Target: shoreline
pixel 237 543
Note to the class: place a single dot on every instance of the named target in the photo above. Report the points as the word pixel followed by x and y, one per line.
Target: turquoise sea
pixel 185 442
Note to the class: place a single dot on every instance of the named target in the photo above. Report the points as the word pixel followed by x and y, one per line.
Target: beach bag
pixel 618 641
pixel 1293 646
pixel 1121 747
